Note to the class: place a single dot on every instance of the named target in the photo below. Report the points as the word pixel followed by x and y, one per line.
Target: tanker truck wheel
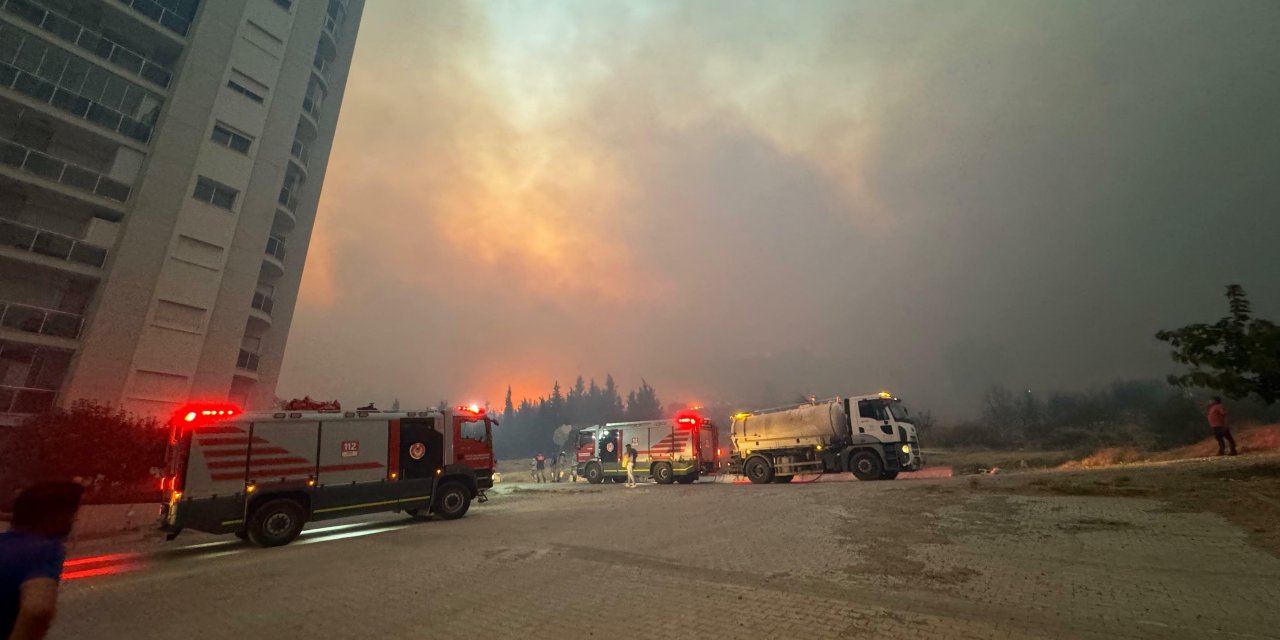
pixel 595 475
pixel 662 473
pixel 866 465
pixel 758 470
pixel 888 475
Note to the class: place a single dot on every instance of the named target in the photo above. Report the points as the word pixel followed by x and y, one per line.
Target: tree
pixel 395 405
pixel 508 410
pixel 1238 356
pixel 643 403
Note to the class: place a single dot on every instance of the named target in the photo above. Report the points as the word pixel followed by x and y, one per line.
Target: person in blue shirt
pixel 31 555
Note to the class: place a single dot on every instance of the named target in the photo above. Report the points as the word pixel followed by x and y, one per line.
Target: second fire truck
pixel 674 450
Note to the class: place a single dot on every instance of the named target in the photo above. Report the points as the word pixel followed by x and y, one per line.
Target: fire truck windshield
pixel 475 430
pixel 898 410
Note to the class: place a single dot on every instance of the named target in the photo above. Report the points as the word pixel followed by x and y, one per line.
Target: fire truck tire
pixel 662 473
pixel 452 501
pixel 758 470
pixel 242 534
pixel 595 475
pixel 782 479
pixel 687 479
pixel 276 523
pixel 888 475
pixel 866 465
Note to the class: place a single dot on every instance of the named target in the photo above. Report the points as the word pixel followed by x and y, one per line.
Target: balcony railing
pixel 288 198
pixel 45 322
pixel 52 75
pixel 157 12
pixel 311 106
pixel 26 400
pixel 322 66
pixel 263 301
pixel 248 360
pixel 62 172
pixel 93 42
pixel 275 247
pixel 47 243
pixel 301 152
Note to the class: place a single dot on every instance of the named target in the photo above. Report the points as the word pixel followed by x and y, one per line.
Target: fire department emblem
pixel 417 450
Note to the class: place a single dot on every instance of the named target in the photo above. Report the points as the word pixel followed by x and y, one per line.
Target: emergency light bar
pixel 194 413
pixel 474 409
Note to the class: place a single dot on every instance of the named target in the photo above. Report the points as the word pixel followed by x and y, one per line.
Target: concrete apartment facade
pixel 160 167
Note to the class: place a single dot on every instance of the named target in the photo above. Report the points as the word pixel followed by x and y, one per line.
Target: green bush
pixel 113 452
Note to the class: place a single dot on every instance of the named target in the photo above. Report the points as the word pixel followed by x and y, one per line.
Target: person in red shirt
pixel 1218 422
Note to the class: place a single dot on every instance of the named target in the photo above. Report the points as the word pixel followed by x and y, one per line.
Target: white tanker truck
pixel 870 436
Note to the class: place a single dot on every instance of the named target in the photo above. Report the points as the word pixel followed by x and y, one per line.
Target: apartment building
pixel 160 166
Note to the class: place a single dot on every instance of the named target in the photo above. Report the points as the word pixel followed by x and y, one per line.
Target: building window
pixel 224 136
pixel 216 194
pixel 287 5
pixel 240 89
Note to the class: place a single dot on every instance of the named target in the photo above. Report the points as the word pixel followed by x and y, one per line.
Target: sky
pixel 741 201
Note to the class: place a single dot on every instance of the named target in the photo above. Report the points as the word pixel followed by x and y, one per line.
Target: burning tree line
pixel 529 427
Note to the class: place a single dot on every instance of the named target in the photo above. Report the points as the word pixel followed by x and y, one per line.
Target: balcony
pixel 301 152
pixel 95 43
pixel 248 361
pixel 25 400
pixel 275 248
pixel 288 198
pixel 44 322
pixel 312 104
pixel 45 166
pixel 51 75
pixel 163 13
pixel 322 68
pixel 262 306
pixel 47 243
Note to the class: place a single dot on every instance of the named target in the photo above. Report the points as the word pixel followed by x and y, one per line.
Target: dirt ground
pixel 1170 550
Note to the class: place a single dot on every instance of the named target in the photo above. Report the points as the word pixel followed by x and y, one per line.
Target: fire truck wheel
pixel 276 523
pixel 758 470
pixel 888 475
pixel 662 473
pixel 243 535
pixel 866 465
pixel 782 479
pixel 452 501
pixel 687 479
pixel 595 475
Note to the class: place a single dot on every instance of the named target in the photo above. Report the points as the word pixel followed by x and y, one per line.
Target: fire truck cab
pixel 262 476
pixel 674 450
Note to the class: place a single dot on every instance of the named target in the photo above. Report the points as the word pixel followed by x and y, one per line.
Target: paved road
pixel 922 559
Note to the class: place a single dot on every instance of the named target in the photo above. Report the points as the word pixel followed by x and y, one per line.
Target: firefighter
pixel 540 467
pixel 555 468
pixel 561 462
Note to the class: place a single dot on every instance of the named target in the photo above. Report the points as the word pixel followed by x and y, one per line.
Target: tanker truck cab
pixel 881 422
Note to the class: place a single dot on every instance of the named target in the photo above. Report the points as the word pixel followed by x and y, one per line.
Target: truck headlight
pixel 906 448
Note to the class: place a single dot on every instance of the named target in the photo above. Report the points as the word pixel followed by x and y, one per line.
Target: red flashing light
pixel 196 414
pixel 474 409
pixel 688 418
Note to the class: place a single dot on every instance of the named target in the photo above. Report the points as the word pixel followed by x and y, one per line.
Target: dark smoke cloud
pixel 740 200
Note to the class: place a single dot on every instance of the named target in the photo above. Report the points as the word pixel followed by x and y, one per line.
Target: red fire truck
pixel 262 476
pixel 674 450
